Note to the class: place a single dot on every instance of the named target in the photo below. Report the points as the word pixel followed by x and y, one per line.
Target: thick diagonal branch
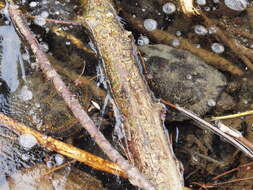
pixel 134 175
pixel 146 137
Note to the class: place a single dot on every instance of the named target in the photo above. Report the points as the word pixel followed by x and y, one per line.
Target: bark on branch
pixel 141 115
pixel 134 175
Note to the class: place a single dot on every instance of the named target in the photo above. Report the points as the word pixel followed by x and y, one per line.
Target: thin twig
pixel 65 22
pixel 50 171
pixel 188 8
pixel 211 185
pixel 74 40
pixel 233 115
pixel 135 177
pixel 232 170
pixel 231 135
pixel 63 148
pixel 242 52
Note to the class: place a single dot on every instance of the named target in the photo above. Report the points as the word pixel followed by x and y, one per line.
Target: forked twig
pixel 135 177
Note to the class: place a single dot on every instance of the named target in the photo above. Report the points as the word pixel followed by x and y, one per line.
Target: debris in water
pixel 44 46
pixel 25 94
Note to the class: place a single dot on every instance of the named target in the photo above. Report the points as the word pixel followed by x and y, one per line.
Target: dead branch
pixel 212 185
pixel 187 7
pixel 238 49
pixel 232 136
pixel 146 139
pixel 133 174
pixel 167 38
pixel 63 148
pixel 250 16
pixel 97 92
pixel 77 42
pixel 235 31
pixel 233 170
pixel 232 115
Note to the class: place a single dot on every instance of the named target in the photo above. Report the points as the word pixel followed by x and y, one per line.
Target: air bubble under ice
pixel 217 48
pixel 236 5
pixel 169 8
pixel 27 141
pixel 200 30
pixel 150 24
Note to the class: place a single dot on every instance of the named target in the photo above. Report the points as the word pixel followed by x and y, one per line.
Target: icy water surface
pixel 29 98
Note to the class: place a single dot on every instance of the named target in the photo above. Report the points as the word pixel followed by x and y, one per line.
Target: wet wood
pixel 63 148
pixel 146 138
pixel 164 37
pixel 133 173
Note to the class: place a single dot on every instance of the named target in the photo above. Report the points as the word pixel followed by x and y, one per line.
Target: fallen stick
pixel 250 16
pixel 250 112
pixel 232 136
pixel 74 40
pixel 238 49
pixel 135 177
pixel 146 141
pixel 187 7
pixel 63 148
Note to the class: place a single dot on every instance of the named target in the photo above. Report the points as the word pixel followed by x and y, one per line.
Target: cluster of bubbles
pixel 55 160
pixel 202 30
pixel 41 18
pixel 143 40
pixel 235 5
pixel 151 24
pixel 169 8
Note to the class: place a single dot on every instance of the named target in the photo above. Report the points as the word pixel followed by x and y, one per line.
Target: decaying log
pixel 146 139
pixel 133 173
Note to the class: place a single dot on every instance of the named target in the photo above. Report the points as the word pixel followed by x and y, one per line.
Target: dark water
pixel 202 154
